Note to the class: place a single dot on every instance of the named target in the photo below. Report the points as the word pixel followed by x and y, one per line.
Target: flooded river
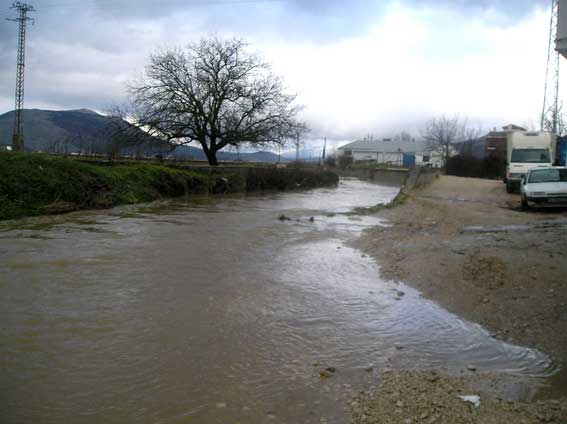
pixel 212 310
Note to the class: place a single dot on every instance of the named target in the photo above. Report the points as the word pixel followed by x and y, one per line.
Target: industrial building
pixel 389 152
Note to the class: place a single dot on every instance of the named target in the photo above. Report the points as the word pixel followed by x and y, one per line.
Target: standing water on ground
pixel 212 310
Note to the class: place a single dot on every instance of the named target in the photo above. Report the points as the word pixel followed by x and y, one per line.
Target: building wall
pixel 561 42
pixel 394 158
pixel 364 156
pixel 496 145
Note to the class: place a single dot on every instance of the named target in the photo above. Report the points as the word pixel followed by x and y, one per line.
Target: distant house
pixel 404 153
pixel 489 146
pixel 496 142
pixel 473 148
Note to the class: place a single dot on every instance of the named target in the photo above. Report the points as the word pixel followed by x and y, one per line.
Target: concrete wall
pixel 419 177
pixel 388 177
pixel 415 178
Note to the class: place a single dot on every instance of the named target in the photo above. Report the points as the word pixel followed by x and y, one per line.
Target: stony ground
pixel 414 398
pixel 466 244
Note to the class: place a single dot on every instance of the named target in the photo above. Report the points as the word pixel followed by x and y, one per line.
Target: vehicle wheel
pixel 525 205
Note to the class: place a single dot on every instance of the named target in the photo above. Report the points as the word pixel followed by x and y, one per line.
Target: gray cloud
pixel 80 52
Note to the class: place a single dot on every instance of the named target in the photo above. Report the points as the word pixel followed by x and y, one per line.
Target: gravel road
pixel 466 244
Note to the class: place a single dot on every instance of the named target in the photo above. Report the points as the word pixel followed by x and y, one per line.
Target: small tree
pixel 555 124
pixel 443 134
pixel 215 93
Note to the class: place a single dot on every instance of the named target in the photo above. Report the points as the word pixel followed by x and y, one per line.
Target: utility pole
pixel 324 152
pixel 550 111
pixel 23 9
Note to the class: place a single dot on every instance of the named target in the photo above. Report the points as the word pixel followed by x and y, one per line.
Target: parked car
pixel 545 187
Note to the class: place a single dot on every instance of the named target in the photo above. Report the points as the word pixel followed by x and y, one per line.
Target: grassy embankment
pixel 35 184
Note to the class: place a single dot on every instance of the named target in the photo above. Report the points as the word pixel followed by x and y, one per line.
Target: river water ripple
pixel 211 310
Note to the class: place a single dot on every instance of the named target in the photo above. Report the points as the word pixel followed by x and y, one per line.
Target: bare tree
pixel 297 134
pixel 403 136
pixel 60 144
pixel 444 134
pixel 215 93
pixel 87 145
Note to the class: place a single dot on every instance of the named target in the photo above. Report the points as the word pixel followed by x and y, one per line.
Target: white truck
pixel 528 150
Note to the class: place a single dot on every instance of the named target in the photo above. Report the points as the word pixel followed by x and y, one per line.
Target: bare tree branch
pixel 214 93
pixel 443 134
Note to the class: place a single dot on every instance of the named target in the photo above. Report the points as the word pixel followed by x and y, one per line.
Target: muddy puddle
pixel 214 311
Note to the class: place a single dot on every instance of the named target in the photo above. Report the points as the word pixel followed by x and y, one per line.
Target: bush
pixel 331 161
pixel 288 179
pixel 467 166
pixel 345 161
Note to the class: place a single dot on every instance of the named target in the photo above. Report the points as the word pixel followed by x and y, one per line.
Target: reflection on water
pixel 214 311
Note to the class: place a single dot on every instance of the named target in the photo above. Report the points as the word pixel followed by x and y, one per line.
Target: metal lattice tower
pixel 22 19
pixel 550 111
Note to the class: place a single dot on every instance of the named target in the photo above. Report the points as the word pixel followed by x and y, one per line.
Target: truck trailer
pixel 528 150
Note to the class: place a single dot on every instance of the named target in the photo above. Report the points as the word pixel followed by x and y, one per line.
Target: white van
pixel 528 150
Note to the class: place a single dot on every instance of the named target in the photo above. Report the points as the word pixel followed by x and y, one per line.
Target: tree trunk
pixel 212 158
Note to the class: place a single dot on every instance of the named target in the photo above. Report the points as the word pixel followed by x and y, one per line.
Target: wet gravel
pixel 465 244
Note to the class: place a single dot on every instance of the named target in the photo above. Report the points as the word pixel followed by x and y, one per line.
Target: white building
pixel 405 153
pixel 561 41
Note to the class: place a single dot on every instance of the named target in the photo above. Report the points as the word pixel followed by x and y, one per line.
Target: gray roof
pixel 387 146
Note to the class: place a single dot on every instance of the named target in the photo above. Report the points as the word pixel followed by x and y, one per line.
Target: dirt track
pixel 465 244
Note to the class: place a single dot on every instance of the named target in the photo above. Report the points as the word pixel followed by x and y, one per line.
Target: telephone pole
pixel 324 152
pixel 23 9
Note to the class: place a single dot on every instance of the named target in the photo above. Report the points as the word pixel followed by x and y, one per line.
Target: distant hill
pixel 85 131
pixel 43 127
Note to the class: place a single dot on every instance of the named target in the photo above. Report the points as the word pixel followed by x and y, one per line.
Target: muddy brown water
pixel 211 310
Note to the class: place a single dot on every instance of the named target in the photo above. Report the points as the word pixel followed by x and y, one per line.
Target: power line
pixel 22 19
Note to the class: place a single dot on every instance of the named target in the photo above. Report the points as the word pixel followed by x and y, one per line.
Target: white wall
pixel 364 156
pixel 394 158
pixel 561 45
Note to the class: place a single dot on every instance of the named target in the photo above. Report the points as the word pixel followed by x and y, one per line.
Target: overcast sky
pixel 359 66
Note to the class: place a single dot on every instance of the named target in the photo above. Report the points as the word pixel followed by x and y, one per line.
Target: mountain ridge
pixel 84 131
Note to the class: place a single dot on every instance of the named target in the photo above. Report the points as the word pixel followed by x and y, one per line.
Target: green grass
pixel 34 184
pixel 399 200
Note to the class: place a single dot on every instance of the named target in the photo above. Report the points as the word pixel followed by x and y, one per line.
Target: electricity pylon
pixel 550 111
pixel 22 19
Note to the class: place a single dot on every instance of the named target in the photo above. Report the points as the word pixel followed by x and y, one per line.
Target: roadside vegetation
pixel 399 200
pixel 40 184
pixel 36 184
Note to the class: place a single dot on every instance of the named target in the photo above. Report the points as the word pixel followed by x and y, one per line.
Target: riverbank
pixel 430 397
pixel 37 184
pixel 465 244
